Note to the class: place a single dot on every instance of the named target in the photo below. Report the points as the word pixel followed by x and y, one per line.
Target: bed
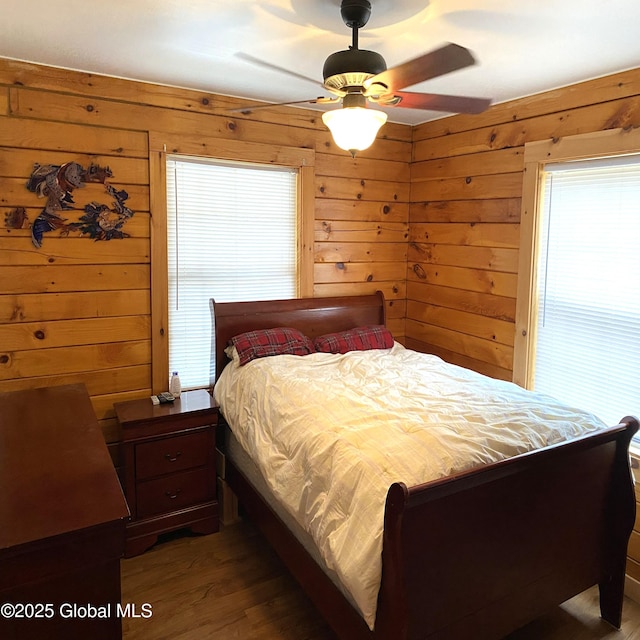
pixel 477 553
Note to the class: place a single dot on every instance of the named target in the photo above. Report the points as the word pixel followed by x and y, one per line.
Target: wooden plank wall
pixel 78 310
pixel 439 235
pixel 633 561
pixel 466 190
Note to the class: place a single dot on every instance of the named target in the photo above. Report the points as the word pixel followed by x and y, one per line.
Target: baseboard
pixel 632 588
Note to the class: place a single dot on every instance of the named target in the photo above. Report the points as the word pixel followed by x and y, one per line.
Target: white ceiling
pixel 522 46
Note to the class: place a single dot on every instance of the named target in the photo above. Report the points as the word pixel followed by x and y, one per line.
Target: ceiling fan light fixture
pixel 354 128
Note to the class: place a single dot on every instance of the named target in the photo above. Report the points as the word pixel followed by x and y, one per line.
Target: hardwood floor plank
pixel 231 585
pixel 223 586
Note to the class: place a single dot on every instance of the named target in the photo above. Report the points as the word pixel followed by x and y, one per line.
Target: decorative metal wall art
pixel 16 218
pixel 56 183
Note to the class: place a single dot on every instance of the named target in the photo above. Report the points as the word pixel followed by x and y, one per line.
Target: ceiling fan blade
pixel 434 102
pixel 273 67
pixel 267 105
pixel 436 63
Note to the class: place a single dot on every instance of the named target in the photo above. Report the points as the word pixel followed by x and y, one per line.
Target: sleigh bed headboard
pixel 313 316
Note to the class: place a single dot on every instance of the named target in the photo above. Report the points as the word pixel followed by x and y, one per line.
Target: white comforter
pixel 331 433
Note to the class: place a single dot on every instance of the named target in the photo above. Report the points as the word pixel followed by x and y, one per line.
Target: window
pixel 231 231
pixel 583 310
pixel 270 161
pixel 588 332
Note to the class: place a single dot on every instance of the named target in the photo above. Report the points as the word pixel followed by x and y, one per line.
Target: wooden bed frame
pixel 475 555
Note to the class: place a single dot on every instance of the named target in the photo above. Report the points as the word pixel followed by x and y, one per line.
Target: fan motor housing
pixel 355 13
pixel 350 68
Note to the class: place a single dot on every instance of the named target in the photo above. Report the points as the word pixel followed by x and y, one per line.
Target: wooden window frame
pixel 160 146
pixel 613 142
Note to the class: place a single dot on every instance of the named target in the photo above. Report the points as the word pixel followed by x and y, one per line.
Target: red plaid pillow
pixel 271 342
pixel 358 339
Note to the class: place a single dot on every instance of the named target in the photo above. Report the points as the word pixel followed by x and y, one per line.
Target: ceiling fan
pixel 358 76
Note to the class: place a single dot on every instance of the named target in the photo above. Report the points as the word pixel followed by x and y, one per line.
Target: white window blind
pixel 231 235
pixel 588 330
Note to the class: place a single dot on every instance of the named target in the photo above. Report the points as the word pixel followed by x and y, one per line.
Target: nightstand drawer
pixel 174 492
pixel 172 454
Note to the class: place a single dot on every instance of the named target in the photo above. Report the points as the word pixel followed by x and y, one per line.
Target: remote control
pixel 162 398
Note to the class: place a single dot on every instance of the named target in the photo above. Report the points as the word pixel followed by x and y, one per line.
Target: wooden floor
pixel 231 585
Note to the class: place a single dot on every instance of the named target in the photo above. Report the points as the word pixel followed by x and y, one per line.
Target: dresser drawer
pixel 173 454
pixel 174 492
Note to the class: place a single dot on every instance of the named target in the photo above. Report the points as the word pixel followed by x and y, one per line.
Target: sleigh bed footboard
pixel 482 553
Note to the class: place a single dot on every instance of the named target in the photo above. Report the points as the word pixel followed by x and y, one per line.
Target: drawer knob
pixel 172 458
pixel 172 495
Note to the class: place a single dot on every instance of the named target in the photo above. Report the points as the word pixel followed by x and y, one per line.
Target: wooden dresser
pixel 62 519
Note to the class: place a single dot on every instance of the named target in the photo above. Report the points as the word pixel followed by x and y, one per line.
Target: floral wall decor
pixel 56 183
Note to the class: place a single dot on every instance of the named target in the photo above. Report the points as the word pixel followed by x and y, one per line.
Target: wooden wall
pixel 632 588
pixel 429 215
pixel 466 189
pixel 78 310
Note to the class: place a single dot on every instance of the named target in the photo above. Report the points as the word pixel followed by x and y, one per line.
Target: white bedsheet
pixel 331 433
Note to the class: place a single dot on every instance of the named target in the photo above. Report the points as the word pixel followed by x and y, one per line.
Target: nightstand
pixel 169 467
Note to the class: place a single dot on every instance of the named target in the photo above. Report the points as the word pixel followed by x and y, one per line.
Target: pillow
pixel 271 342
pixel 358 339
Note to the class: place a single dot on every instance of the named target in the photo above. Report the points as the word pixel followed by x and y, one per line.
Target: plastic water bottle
pixel 174 385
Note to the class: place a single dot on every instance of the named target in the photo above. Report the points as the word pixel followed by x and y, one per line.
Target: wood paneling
pixel 330 209
pixel 633 561
pixel 32 363
pixel 65 333
pixel 361 189
pixel 358 272
pixel 72 251
pixel 62 136
pixel 30 307
pixel 18 163
pixel 429 215
pixel 80 311
pixel 466 194
pixel 484 210
pixel 592 92
pixel 340 231
pixel 34 279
